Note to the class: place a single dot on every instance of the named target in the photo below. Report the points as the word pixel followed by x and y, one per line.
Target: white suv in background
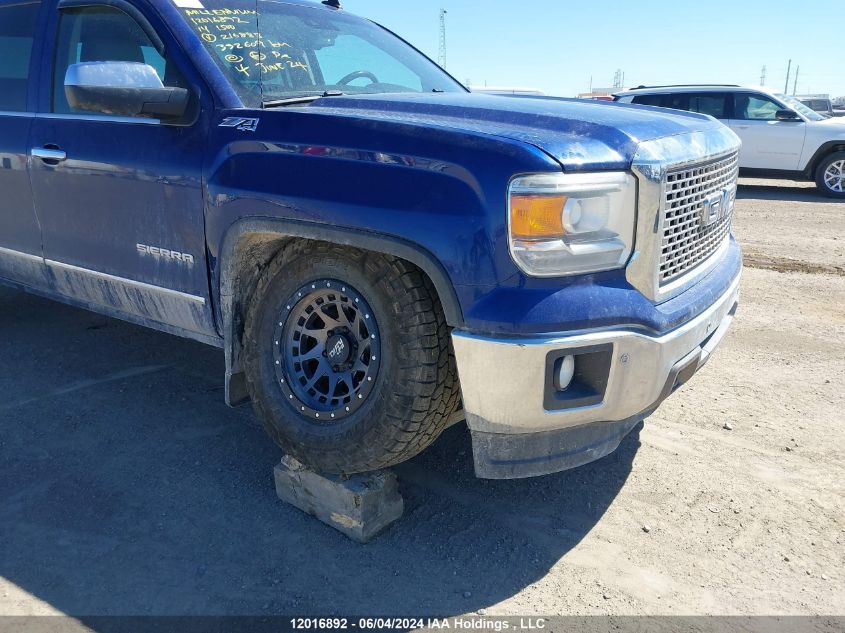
pixel 781 137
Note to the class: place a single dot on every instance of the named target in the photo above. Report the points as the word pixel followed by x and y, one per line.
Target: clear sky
pixel 557 45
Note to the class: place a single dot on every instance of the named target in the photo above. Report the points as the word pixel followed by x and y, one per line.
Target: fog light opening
pixel 564 372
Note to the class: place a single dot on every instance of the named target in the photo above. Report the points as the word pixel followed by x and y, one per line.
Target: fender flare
pixel 823 150
pixel 380 243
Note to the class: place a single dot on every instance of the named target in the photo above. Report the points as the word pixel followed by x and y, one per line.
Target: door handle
pixel 49 154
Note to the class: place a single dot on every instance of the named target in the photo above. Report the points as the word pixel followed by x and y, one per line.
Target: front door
pixel 20 234
pixel 766 142
pixel 120 199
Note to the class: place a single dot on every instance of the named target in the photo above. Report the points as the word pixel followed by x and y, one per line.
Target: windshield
pixel 274 51
pixel 800 108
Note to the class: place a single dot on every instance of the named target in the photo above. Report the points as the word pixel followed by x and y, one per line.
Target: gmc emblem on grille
pixel 717 206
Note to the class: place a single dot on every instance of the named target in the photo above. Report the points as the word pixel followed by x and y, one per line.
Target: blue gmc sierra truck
pixel 377 250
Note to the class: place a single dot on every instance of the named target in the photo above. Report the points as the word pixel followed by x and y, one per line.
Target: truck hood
pixel 579 134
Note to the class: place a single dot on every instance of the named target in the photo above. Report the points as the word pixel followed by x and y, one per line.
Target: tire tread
pixel 416 414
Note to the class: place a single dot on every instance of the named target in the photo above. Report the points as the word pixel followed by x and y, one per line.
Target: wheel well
pixel 247 261
pixel 824 153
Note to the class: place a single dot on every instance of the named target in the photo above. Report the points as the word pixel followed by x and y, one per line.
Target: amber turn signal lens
pixel 537 217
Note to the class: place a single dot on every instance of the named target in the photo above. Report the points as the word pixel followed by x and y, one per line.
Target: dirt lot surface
pixel 127 487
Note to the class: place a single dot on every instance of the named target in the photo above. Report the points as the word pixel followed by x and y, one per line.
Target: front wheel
pixel 348 358
pixel 830 175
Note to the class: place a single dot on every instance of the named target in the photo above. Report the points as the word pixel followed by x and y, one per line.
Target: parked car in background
pixel 781 137
pixel 820 103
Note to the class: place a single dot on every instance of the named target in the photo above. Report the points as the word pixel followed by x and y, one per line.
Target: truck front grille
pixel 687 241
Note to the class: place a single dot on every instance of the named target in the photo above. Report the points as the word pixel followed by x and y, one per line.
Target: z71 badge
pixel 240 123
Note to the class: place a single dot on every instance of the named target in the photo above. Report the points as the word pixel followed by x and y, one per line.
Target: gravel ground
pixel 127 487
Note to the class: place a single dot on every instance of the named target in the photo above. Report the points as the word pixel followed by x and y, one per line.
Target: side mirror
pixel 122 88
pixel 787 115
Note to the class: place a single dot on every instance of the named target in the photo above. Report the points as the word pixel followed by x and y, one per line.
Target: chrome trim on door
pixel 9 251
pixel 81 117
pixel 98 117
pixel 105 276
pixel 129 282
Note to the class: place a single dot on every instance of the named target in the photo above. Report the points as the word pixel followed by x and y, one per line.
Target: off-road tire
pixel 416 390
pixel 826 162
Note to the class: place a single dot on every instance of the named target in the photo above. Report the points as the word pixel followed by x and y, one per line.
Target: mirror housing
pixel 787 115
pixel 123 89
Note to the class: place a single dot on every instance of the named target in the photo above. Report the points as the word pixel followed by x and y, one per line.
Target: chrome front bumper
pixel 505 385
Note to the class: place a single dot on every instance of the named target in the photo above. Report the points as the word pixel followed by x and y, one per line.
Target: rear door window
pixel 664 100
pixel 649 100
pixel 17 34
pixel 716 104
pixel 676 101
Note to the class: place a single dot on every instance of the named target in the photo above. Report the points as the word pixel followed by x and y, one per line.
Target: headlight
pixel 571 224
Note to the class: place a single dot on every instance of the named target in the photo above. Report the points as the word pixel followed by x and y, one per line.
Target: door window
pixel 715 104
pixel 676 101
pixel 649 100
pixel 672 101
pixel 17 32
pixel 104 34
pixel 751 107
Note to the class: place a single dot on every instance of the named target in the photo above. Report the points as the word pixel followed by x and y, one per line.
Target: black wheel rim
pixel 327 350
